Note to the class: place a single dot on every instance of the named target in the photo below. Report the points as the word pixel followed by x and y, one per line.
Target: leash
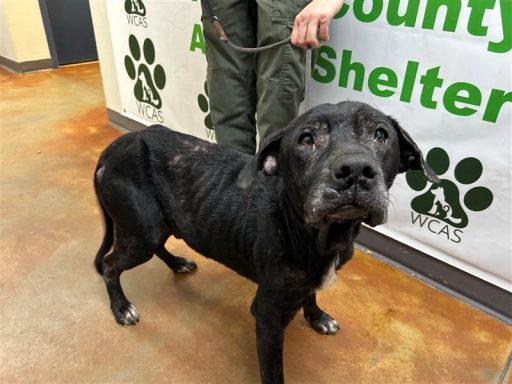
pixel 223 36
pixel 214 20
pixel 307 81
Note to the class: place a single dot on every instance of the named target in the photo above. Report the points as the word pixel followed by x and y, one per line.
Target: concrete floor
pixel 55 321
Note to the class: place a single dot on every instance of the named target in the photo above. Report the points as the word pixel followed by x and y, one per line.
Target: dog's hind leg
pixel 176 263
pixel 126 255
pixel 319 320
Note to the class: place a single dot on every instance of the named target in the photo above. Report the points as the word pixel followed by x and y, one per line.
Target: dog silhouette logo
pixel 440 207
pixel 135 7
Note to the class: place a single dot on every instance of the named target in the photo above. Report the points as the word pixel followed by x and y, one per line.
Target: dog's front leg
pixel 271 322
pixel 319 320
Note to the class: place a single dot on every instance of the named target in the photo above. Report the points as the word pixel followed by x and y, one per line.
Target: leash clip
pixel 218 28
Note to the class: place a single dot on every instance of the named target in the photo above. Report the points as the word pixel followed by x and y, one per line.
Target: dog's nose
pixel 354 170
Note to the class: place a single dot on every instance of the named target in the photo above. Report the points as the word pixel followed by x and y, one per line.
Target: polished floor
pixel 55 321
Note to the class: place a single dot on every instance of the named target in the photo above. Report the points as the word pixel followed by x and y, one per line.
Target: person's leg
pixel 231 75
pixel 279 71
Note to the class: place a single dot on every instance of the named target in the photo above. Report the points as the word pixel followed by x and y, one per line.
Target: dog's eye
pixel 306 139
pixel 380 135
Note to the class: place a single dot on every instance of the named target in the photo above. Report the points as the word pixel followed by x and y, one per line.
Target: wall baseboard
pixel 486 297
pixel 123 122
pixel 25 66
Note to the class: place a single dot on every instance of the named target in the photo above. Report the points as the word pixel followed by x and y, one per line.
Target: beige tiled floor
pixel 56 325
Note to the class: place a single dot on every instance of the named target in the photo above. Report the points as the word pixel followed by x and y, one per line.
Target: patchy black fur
pixel 282 219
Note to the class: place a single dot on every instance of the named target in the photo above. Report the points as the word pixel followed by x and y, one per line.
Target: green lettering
pixel 496 101
pixel 346 67
pixel 409 80
pixel 197 41
pixel 409 17
pixel 367 17
pixel 476 17
pixel 343 10
pixel 385 77
pixel 504 45
pixel 453 95
pixel 452 14
pixel 430 82
pixel 323 60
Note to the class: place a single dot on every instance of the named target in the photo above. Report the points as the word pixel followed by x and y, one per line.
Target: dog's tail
pixel 108 237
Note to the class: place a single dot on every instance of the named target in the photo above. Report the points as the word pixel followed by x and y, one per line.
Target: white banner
pixel 161 72
pixel 445 73
pixel 442 69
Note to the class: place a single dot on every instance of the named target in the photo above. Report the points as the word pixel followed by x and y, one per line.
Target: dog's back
pixel 144 180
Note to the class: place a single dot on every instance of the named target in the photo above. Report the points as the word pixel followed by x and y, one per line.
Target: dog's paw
pixel 184 266
pixel 324 324
pixel 126 314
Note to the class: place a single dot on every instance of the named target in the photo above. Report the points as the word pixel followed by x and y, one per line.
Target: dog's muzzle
pixel 353 188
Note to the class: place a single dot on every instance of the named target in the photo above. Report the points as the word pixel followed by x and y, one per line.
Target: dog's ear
pixel 265 161
pixel 411 156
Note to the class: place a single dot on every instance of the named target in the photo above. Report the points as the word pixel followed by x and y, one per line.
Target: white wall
pixel 6 47
pixel 23 35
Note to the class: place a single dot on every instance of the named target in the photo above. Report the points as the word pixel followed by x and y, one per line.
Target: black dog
pixel 283 218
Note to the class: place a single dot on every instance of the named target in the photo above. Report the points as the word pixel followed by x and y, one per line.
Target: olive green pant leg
pixel 231 75
pixel 280 71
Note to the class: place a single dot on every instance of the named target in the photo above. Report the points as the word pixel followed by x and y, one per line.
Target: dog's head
pixel 337 162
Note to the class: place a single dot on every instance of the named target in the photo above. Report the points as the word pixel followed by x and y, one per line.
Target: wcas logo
pixel 441 208
pixel 136 13
pixel 147 76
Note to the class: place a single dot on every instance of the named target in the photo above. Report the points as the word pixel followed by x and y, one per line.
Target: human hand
pixel 312 23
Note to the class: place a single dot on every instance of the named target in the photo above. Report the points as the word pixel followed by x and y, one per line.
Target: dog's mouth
pixel 339 216
pixel 345 212
pixel 327 206
pixel 338 221
pixel 321 217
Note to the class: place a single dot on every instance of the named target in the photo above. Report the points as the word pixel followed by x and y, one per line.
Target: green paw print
pixel 204 105
pixel 147 83
pixel 135 7
pixel 443 200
